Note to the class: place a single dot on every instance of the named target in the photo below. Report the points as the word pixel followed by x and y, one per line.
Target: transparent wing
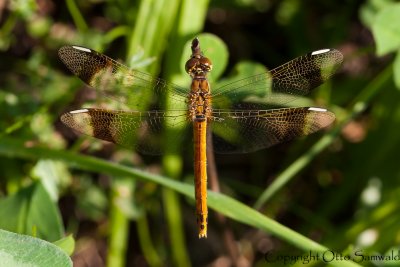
pixel 239 122
pixel 142 131
pixel 282 84
pixel 135 89
pixel 244 131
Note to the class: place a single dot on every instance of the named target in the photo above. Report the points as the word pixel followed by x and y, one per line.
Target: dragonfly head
pixel 197 65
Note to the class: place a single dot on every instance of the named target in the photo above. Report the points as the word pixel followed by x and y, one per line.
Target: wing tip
pixel 338 55
pixel 84 110
pixel 326 117
pixel 321 51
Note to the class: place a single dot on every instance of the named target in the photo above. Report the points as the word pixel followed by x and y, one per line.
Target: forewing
pixel 244 131
pixel 141 131
pixel 135 89
pixel 282 84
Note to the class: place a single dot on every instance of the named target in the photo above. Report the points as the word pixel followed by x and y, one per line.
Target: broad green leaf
pixel 13 210
pixel 386 29
pixel 370 9
pixel 25 251
pixel 43 214
pixel 67 244
pixel 31 210
pixel 53 175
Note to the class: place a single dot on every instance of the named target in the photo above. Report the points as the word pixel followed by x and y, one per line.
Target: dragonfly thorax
pixel 199 101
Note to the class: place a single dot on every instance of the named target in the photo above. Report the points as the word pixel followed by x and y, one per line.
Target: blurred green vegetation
pixel 339 188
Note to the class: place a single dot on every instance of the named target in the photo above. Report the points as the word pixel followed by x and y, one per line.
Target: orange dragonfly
pixel 236 114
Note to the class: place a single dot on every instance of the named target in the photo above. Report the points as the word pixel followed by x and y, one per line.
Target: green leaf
pixel 31 209
pixel 53 175
pixel 22 250
pixel 67 244
pixel 370 9
pixel 386 29
pixel 396 70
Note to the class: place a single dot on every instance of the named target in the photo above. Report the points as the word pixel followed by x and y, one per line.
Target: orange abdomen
pixel 200 175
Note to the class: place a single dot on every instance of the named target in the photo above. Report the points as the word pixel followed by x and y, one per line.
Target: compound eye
pixel 191 64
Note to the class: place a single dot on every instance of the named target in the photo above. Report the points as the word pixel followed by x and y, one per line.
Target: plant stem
pixel 119 222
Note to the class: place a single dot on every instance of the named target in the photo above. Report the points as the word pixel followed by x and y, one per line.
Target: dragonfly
pixel 238 116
